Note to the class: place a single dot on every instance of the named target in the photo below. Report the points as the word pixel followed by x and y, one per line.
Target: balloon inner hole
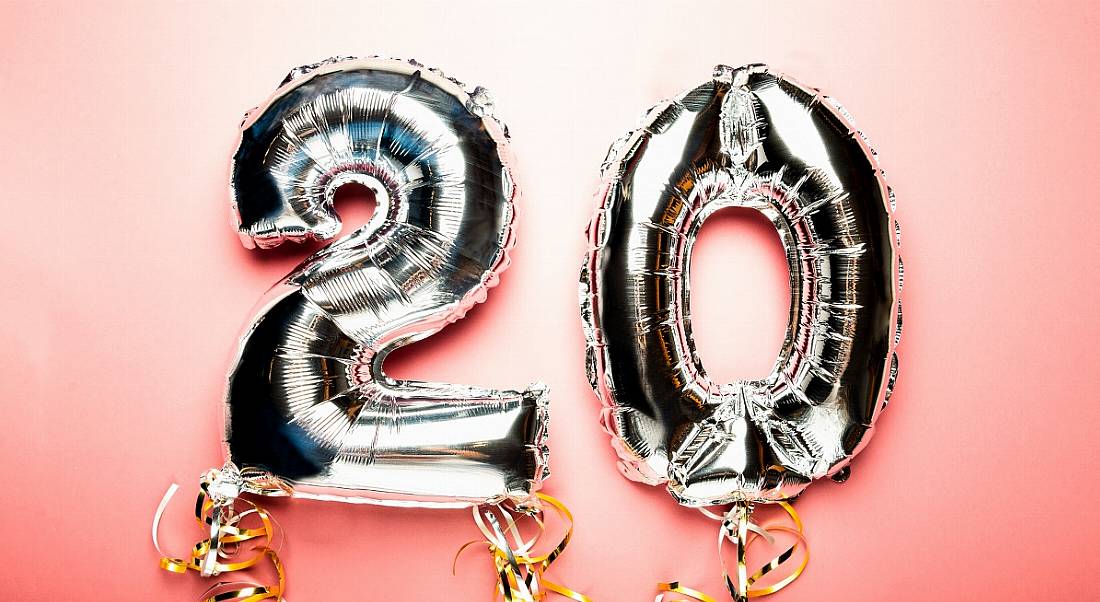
pixel 740 295
pixel 355 203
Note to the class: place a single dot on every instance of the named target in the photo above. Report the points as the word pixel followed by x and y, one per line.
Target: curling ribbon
pixel 520 572
pixel 742 532
pixel 215 510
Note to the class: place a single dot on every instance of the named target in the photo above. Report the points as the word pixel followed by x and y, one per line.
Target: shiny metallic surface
pixel 307 399
pixel 745 138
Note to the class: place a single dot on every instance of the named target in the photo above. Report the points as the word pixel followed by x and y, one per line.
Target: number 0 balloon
pixel 745 138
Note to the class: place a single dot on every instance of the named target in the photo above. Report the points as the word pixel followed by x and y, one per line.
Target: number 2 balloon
pixel 309 411
pixel 308 401
pixel 745 138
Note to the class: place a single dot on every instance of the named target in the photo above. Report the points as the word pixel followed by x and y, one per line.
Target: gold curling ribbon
pixel 520 572
pixel 221 552
pixel 742 532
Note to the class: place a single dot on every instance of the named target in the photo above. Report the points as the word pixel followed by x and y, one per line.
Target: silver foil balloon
pixel 745 138
pixel 308 402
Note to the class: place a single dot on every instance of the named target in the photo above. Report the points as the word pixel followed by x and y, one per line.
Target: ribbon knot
pixel 221 552
pixel 740 530
pixel 520 572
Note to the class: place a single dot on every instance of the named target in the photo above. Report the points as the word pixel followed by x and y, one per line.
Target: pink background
pixel 124 287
